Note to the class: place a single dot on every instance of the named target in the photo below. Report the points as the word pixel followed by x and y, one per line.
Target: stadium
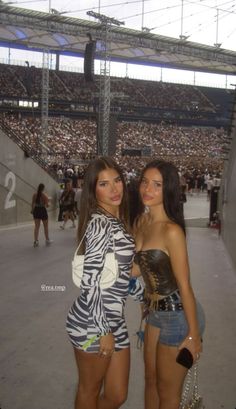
pixel 54 121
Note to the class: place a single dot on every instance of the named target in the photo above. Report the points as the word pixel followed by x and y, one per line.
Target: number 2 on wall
pixel 10 182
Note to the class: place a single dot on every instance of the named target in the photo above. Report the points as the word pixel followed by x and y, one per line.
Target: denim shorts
pixel 173 324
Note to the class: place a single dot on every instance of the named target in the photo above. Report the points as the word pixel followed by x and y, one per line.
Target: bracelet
pixel 191 338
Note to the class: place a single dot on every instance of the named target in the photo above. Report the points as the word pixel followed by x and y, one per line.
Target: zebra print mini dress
pixel 97 311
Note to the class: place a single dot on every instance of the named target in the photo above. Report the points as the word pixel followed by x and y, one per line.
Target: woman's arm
pixel 97 240
pixel 45 200
pixel 177 249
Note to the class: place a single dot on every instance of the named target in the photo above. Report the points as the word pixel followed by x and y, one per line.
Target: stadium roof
pixel 34 30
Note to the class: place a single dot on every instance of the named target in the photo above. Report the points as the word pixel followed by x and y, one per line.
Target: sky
pixel 202 21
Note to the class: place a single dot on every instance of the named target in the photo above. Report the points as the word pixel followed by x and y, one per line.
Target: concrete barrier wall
pixel 19 179
pixel 228 197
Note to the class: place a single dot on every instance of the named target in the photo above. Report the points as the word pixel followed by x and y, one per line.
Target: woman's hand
pixel 135 271
pixel 107 345
pixel 144 310
pixel 193 344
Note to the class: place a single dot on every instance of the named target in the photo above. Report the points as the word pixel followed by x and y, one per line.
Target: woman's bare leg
pixel 65 217
pixel 92 369
pixel 116 381
pixel 170 377
pixel 45 225
pixel 36 229
pixel 150 358
pixel 72 218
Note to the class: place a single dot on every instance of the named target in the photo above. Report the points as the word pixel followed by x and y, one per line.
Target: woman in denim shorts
pixel 175 319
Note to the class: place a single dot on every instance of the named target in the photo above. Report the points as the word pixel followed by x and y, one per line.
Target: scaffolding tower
pixel 104 86
pixel 44 103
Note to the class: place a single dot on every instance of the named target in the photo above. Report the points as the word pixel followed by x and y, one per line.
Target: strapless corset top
pixel 157 272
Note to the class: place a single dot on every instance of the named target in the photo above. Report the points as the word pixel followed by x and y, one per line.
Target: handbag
pixel 190 395
pixel 109 273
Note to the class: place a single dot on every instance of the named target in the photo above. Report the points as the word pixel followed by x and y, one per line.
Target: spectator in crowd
pixel 209 186
pixel 183 196
pixel 59 194
pixel 78 192
pixel 216 180
pixel 67 202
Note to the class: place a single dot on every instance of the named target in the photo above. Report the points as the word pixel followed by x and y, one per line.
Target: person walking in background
pixel 78 192
pixel 67 203
pixel 209 183
pixel 95 322
pixel 59 193
pixel 175 320
pixel 40 203
pixel 183 196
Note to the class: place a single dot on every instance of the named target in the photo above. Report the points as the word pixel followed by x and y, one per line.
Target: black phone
pixel 185 358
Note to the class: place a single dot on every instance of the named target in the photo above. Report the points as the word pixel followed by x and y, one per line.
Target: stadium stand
pixel 26 81
pixel 159 111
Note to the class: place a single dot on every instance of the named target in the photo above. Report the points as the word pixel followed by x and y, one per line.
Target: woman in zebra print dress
pixel 95 323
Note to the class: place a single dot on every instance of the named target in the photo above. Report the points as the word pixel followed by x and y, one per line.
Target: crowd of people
pixel 161 95
pixel 26 82
pixel 22 81
pixel 67 141
pixel 72 141
pixel 185 146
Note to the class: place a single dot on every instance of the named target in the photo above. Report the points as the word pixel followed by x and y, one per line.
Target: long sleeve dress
pixel 97 311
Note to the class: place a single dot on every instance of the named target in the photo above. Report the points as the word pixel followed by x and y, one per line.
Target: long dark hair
pixel 88 202
pixel 171 190
pixel 39 192
pixel 136 206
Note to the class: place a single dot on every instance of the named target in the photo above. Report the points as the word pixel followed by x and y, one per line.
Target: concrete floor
pixel 37 369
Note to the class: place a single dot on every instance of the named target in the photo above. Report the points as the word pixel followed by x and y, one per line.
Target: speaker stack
pixel 89 61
